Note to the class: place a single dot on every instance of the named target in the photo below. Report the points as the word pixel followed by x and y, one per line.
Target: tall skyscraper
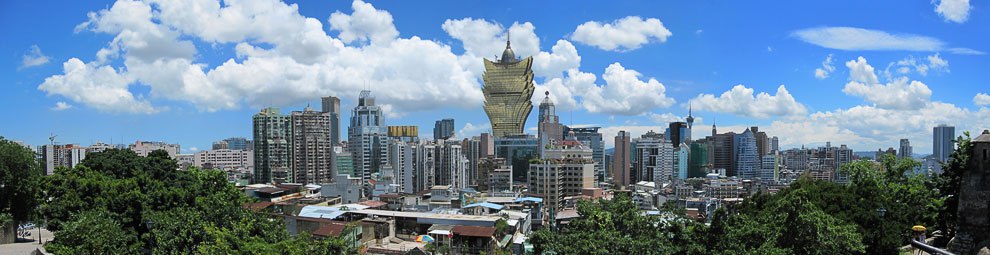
pixel 774 144
pixel 331 105
pixel 508 89
pixel 682 154
pixel 746 156
pixel 723 153
pixel 620 161
pixel 677 133
pixel 272 146
pixel 943 142
pixel 518 150
pixel 312 151
pixel 443 129
pixel 549 126
pixel 905 149
pixel 367 137
pixel 762 141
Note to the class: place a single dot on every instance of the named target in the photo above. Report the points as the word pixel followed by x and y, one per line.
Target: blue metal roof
pixel 486 205
pixel 529 199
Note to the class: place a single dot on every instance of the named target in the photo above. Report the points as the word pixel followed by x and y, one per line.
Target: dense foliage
pixel 872 214
pixel 19 177
pixel 117 202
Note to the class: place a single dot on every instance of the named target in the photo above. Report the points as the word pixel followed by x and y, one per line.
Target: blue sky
pixel 171 71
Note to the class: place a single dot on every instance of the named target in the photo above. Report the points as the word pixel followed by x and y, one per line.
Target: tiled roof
pixel 473 231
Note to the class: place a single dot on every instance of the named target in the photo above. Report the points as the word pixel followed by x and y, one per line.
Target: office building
pixel 272 146
pixel 331 106
pixel 943 142
pixel 312 151
pixel 746 155
pixel 517 150
pixel 508 89
pixel 621 164
pixel 678 133
pixel 367 137
pixel 443 129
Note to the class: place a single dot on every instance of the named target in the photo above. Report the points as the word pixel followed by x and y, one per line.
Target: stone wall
pixel 973 226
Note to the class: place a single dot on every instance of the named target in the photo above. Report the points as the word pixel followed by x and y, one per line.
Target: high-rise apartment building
pixel 654 158
pixel 943 142
pixel 565 169
pixel 272 146
pixel 331 105
pixel 589 136
pixel 312 151
pixel 621 161
pixel 62 155
pixel 367 137
pixel 905 149
pixel 508 89
pixel 487 145
pixel 443 129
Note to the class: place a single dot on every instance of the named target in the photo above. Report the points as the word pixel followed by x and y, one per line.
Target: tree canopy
pixel 20 174
pixel 118 199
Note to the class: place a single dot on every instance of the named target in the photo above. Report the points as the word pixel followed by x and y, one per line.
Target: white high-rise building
pixel 770 168
pixel 566 168
pixel 62 155
pixel 654 158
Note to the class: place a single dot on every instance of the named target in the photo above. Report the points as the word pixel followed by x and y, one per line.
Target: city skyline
pixel 832 78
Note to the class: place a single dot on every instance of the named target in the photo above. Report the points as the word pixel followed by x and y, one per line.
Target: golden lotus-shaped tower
pixel 508 89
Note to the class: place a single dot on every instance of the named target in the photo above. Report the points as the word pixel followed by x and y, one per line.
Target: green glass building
pixel 508 89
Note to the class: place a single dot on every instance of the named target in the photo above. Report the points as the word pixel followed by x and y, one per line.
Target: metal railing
pixel 928 248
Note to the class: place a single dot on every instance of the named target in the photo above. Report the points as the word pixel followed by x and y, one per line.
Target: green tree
pixel 94 232
pixel 20 175
pixel 947 184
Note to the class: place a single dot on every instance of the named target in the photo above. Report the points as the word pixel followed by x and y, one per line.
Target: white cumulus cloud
pixel 981 99
pixel 741 101
pixel 282 58
pixel 625 94
pixel 900 93
pixel 953 10
pixel 100 87
pixel 624 34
